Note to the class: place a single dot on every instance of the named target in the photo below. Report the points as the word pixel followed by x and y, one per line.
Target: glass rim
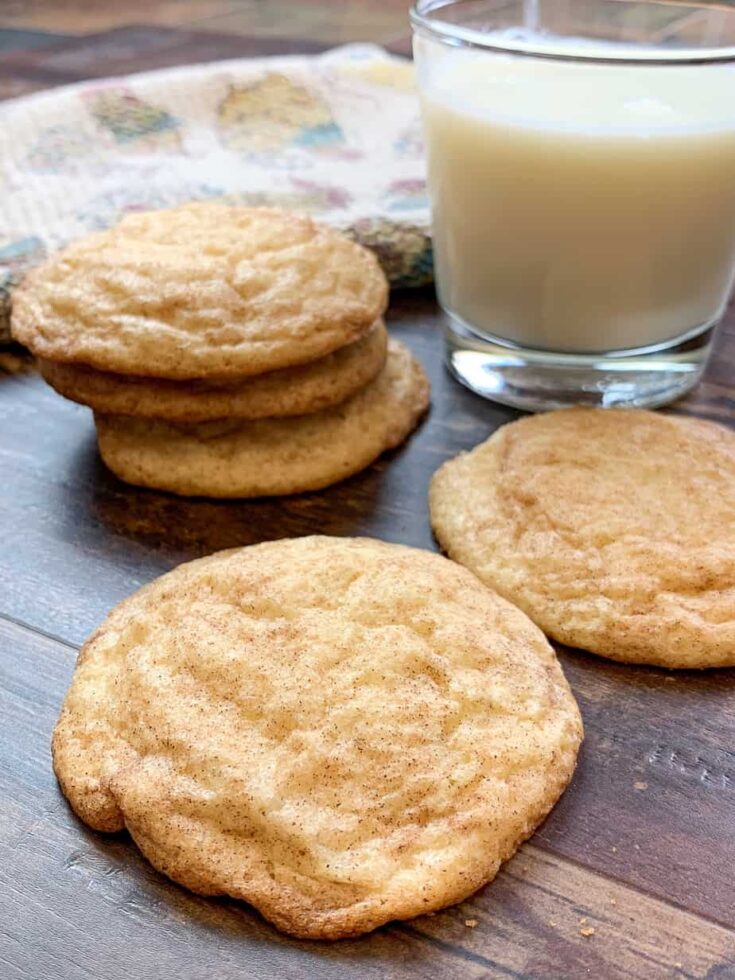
pixel 423 21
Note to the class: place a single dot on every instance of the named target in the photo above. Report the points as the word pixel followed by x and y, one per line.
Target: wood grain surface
pixel 641 849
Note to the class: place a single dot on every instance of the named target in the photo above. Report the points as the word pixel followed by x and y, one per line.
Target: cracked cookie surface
pixel 201 291
pixel 614 530
pixel 337 730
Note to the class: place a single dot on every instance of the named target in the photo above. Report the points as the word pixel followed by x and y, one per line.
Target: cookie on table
pixel 201 291
pixel 339 731
pixel 265 457
pixel 614 530
pixel 297 390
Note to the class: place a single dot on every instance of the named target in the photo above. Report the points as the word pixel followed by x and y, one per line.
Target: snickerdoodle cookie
pixel 296 390
pixel 201 291
pixel 339 731
pixel 263 457
pixel 613 529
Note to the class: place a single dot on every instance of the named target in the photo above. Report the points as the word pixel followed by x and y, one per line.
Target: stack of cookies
pixel 226 352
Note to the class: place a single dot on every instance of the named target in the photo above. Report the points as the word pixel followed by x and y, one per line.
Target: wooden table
pixel 641 847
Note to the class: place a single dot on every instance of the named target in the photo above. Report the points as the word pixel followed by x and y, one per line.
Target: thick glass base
pixel 536 380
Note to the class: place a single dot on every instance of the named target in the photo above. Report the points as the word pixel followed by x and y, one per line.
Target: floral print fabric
pixel 336 135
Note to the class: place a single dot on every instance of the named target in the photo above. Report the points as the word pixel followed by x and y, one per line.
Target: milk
pixel 580 207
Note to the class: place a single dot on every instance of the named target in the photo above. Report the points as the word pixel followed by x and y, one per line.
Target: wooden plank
pixel 78 904
pixel 653 802
pixel 19 40
pixel 77 541
pixel 130 49
pixel 633 935
pixel 89 16
pixel 379 21
pixel 350 19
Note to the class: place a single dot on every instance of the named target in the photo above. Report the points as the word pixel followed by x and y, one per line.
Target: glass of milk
pixel 581 167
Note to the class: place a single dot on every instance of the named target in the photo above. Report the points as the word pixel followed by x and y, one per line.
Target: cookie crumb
pixel 613 901
pixel 640 785
pixel 552 923
pixel 586 931
pixel 470 923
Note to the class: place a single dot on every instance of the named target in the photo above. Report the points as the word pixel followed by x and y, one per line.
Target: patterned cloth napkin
pixel 336 135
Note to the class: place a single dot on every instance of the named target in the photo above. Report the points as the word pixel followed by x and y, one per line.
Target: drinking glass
pixel 581 170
